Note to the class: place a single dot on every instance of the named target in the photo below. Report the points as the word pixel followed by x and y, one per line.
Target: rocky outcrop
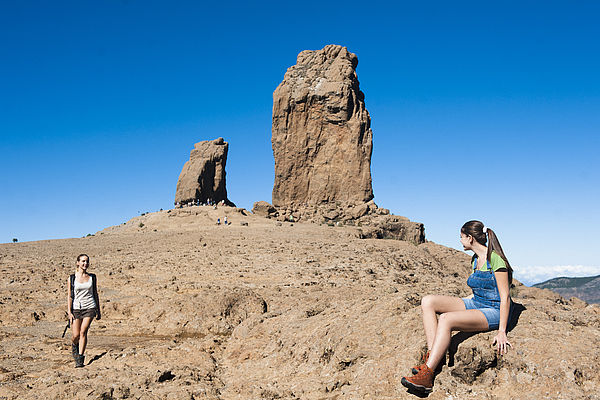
pixel 203 176
pixel 322 139
pixel 393 227
pixel 264 209
pixel 322 143
pixel 372 222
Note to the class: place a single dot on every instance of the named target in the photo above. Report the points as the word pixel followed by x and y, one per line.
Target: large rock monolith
pixel 322 143
pixel 203 176
pixel 321 135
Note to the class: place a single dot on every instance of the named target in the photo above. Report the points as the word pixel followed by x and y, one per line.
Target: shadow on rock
pixel 516 314
pixel 462 336
pixel 454 342
pixel 417 393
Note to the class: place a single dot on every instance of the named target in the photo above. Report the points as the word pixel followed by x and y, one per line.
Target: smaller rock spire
pixel 203 176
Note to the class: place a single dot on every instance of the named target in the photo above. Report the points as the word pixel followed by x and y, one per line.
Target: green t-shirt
pixel 495 261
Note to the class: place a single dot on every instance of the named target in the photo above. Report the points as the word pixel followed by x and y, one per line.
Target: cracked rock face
pixel 203 176
pixel 321 135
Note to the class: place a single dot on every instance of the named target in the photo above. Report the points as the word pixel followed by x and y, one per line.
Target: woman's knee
pixel 427 302
pixel 445 321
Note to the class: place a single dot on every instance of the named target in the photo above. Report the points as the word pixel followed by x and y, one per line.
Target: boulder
pixel 401 228
pixel 392 227
pixel 359 211
pixel 203 176
pixel 321 135
pixel 264 209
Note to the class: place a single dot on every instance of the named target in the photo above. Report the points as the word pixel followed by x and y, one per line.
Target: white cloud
pixel 533 275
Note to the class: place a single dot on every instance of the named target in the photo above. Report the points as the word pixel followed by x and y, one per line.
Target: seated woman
pixel 489 308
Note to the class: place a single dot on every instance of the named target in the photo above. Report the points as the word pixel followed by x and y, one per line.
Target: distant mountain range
pixel 587 288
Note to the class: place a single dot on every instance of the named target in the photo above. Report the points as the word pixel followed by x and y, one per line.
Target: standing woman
pixel 82 306
pixel 489 308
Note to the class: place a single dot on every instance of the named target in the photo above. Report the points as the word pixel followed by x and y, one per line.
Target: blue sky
pixel 479 111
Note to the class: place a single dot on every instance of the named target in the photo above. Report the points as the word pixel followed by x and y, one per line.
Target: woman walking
pixel 489 308
pixel 82 306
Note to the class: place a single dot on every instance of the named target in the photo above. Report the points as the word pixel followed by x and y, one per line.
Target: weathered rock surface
pixel 264 209
pixel 321 135
pixel 203 176
pixel 372 221
pixel 322 143
pixel 267 311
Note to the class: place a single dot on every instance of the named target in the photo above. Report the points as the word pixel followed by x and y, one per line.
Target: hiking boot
pixel 422 382
pixel 74 350
pixel 424 358
pixel 79 361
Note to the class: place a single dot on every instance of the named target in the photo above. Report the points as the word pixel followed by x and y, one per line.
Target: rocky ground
pixel 269 310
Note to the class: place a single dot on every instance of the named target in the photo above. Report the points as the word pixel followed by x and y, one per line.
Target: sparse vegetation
pixel 141 225
pixel 15 240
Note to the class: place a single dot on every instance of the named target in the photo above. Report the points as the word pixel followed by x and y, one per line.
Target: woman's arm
pixel 69 299
pixel 96 298
pixel 501 340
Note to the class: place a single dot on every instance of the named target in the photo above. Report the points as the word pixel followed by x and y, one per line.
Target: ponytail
pixel 494 245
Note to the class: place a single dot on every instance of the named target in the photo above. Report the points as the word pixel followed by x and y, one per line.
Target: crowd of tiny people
pixel 208 202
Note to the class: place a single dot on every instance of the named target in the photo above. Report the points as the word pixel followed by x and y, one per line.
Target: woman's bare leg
pixel 85 325
pixel 432 305
pixel 76 328
pixel 466 321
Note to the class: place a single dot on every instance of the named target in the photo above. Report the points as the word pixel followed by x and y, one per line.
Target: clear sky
pixel 479 110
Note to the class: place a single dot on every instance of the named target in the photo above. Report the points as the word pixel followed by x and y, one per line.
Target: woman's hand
pixel 70 317
pixel 501 342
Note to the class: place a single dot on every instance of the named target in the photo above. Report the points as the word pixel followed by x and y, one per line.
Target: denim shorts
pixel 491 314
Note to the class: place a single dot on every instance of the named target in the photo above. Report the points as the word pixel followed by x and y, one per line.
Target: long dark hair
pixel 475 229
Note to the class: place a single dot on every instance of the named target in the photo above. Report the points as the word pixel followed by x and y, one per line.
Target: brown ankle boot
pixel 421 382
pixel 424 358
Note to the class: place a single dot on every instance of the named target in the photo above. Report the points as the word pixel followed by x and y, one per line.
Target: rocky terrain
pixel 266 309
pixel 202 177
pixel 586 288
pixel 373 222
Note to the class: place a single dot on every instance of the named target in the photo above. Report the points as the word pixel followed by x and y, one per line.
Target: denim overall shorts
pixel 486 297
